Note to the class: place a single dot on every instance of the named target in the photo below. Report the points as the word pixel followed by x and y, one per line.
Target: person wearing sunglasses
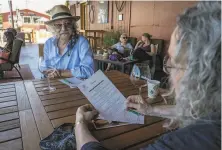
pixel 194 66
pixel 123 48
pixel 67 51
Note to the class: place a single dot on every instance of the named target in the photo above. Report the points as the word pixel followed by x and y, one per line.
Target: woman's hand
pixel 137 103
pixel 86 113
pixel 139 41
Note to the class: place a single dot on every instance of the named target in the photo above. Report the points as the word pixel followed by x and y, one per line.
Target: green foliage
pixel 1 19
pixel 110 38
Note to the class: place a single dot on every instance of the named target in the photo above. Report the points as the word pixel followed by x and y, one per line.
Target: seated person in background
pixel 194 65
pixel 9 34
pixel 123 47
pixel 144 50
pixel 67 51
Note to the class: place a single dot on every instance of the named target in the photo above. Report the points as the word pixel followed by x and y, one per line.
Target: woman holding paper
pixel 194 65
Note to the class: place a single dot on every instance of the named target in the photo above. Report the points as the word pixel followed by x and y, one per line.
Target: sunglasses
pixel 125 37
pixel 66 24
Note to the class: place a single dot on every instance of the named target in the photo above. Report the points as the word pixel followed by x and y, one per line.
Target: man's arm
pixel 86 67
pixel 84 139
pixel 166 111
pixel 84 135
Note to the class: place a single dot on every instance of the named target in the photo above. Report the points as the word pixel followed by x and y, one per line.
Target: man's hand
pixel 86 113
pixel 52 73
pixel 137 103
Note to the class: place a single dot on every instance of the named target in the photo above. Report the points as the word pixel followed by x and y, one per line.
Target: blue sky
pixel 36 5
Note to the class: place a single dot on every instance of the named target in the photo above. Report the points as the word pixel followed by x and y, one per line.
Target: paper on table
pixel 71 82
pixel 107 99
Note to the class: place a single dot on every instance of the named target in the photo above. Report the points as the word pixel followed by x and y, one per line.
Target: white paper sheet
pixel 107 99
pixel 71 82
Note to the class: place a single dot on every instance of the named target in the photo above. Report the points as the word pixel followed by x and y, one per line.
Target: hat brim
pixel 75 18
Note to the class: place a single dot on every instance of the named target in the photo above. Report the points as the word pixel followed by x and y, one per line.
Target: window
pixel 10 19
pixel 35 20
pixel 27 19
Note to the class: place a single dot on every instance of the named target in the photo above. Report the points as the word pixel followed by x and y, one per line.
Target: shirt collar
pixel 54 40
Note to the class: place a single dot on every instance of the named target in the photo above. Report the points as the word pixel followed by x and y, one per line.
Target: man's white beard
pixel 64 37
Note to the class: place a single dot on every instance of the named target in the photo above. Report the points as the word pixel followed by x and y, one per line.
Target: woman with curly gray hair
pixel 194 65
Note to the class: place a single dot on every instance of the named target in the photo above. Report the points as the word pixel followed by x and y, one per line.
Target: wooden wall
pixel 157 18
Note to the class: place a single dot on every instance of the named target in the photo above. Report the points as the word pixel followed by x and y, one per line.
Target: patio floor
pixel 30 55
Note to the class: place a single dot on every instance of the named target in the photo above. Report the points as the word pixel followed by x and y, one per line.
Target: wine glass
pixel 139 75
pixel 46 71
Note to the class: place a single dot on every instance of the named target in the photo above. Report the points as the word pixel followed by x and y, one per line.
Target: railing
pixel 95 37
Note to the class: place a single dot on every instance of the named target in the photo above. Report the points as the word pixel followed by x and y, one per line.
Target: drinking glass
pixel 139 75
pixel 46 71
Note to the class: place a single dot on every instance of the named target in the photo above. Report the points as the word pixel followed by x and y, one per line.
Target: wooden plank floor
pixel 61 106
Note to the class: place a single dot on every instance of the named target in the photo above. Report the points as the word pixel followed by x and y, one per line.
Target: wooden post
pixel 11 12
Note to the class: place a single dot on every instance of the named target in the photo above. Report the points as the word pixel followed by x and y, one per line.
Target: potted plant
pixel 110 38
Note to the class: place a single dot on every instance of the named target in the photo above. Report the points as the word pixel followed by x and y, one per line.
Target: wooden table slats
pixel 9 116
pixel 10 135
pixel 7 90
pixel 28 114
pixel 11 124
pixel 130 138
pixel 15 144
pixel 7 104
pixel 6 86
pixel 62 100
pixel 9 98
pixel 66 105
pixel 7 94
pixel 7 110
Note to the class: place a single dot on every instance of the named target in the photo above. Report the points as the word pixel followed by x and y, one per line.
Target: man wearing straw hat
pixel 67 51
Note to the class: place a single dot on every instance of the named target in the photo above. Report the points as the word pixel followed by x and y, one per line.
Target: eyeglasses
pixel 167 66
pixel 58 26
pixel 125 37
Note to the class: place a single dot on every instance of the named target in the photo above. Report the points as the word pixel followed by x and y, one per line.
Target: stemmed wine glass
pixel 46 71
pixel 139 75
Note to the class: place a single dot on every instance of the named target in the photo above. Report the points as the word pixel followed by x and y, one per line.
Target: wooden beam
pixel 43 123
pixel 22 98
pixel 28 125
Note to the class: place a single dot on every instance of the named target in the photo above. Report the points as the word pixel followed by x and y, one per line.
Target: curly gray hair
pixel 199 50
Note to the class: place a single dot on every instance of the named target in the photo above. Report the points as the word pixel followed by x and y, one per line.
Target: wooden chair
pixel 13 58
pixel 159 55
pixel 41 49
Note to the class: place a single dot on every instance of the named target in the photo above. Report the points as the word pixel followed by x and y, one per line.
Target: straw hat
pixel 61 12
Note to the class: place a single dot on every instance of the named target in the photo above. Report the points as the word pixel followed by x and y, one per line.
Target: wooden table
pixel 28 115
pixel 99 60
